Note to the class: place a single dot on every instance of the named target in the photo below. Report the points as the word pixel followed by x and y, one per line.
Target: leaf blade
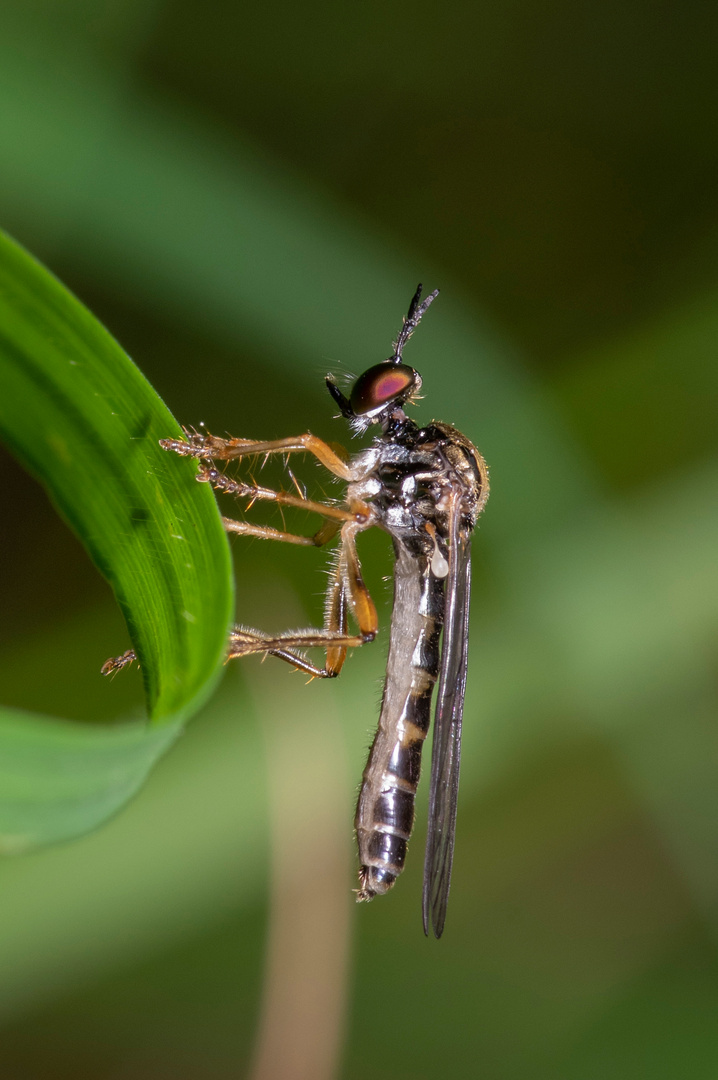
pixel 81 417
pixel 60 779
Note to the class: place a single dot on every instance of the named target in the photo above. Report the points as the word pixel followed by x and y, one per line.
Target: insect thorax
pixel 410 478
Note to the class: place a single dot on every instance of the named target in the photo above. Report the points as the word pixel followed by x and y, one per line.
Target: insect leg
pixel 220 482
pixel 346 590
pixel 356 592
pixel 209 447
pixel 266 532
pixel 244 642
pixel 335 617
pixel 329 529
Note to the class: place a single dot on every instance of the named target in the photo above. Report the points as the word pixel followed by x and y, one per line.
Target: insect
pixel 425 487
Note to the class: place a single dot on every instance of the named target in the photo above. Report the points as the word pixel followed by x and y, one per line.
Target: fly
pixel 425 487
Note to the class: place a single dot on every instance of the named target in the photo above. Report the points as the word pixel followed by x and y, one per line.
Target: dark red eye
pixel 381 385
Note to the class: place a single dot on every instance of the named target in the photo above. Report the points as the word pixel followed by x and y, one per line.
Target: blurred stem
pixel 302 1019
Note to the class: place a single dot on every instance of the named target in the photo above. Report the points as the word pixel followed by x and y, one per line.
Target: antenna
pixel 412 320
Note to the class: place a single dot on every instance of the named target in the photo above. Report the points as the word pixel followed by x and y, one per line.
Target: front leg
pixel 210 448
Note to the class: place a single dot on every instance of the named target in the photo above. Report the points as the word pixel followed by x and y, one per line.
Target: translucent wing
pixel 446 750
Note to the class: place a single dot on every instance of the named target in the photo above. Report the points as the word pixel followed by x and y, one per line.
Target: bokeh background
pixel 247 196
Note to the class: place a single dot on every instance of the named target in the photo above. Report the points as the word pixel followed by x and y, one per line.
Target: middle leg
pixel 255 492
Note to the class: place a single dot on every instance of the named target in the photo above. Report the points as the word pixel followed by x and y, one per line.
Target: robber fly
pixel 425 487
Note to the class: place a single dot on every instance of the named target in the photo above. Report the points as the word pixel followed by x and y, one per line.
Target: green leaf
pixel 59 779
pixel 81 417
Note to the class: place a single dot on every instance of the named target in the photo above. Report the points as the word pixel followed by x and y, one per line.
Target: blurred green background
pixel 247 197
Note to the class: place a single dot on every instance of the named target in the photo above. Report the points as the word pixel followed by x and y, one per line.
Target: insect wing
pixel 446 750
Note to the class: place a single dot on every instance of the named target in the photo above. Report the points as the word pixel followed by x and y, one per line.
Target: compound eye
pixel 383 384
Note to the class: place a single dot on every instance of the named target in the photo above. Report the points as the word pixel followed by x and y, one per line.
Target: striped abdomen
pixel 385 814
